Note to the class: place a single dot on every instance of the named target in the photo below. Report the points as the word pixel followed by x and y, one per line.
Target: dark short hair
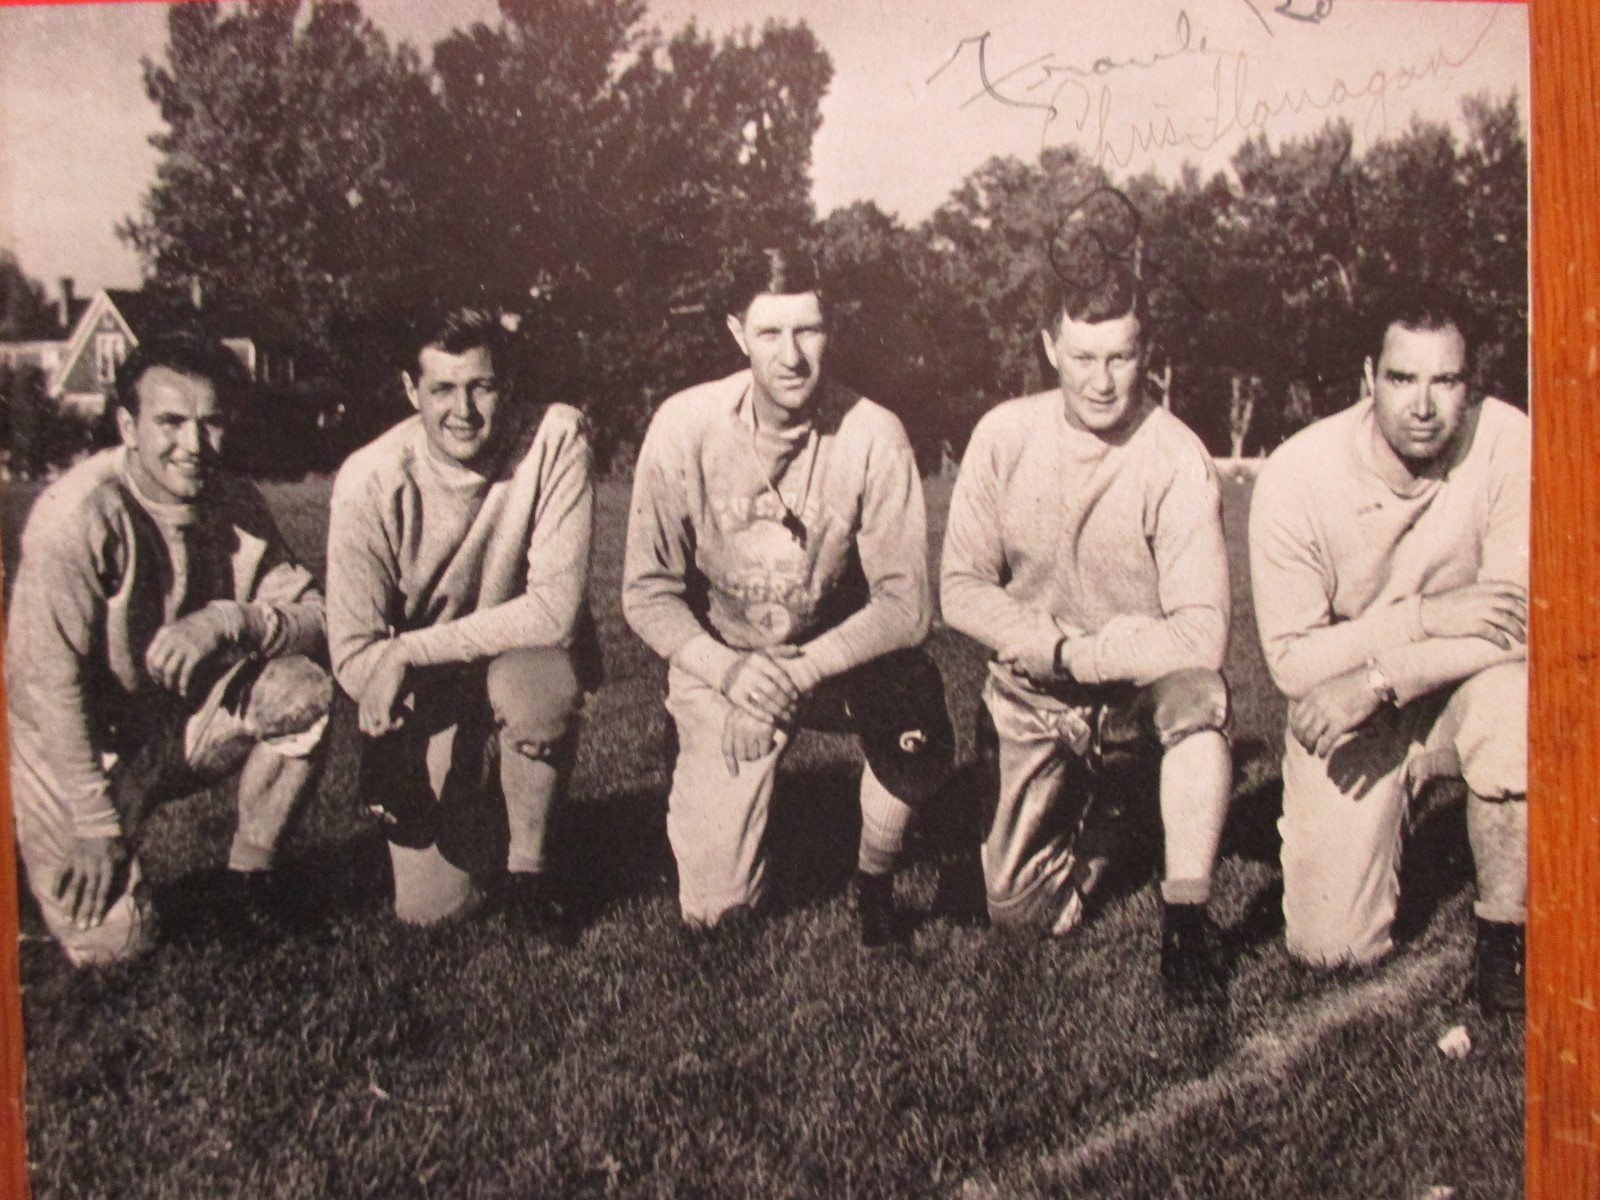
pixel 785 270
pixel 188 352
pixel 457 330
pixel 1116 294
pixel 1423 308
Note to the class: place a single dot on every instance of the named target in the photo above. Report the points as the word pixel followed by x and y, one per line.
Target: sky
pixel 924 91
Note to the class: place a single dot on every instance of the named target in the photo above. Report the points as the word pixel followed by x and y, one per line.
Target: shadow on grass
pixel 609 850
pixel 1251 831
pixel 1436 862
pixel 312 889
pixel 615 848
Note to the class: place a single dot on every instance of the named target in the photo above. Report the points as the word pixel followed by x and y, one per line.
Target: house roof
pixel 145 312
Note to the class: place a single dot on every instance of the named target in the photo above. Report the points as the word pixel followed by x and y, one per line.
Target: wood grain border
pixel 1563 1115
pixel 1563 1127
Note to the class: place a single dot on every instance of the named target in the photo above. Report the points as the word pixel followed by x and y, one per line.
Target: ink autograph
pixel 1099 229
pixel 1078 102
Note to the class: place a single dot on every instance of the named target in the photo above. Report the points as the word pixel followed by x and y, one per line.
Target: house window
pixel 109 351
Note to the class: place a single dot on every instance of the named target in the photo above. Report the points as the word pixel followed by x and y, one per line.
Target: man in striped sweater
pixel 1084 549
pixel 1389 560
pixel 458 571
pixel 161 638
pixel 777 559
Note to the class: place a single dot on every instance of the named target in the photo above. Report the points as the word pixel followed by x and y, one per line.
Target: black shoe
pixel 876 920
pixel 533 904
pixel 1500 967
pixel 255 907
pixel 1192 968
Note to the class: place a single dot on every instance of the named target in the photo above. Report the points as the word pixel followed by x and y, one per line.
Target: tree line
pixel 575 164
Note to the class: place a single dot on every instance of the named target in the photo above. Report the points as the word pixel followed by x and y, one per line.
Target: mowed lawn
pixel 359 1058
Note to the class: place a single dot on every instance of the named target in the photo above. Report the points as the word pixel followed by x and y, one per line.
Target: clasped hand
pixel 1035 659
pixel 1322 718
pixel 746 739
pixel 380 712
pixel 764 699
pixel 758 685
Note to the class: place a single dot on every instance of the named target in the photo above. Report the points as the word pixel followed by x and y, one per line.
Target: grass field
pixel 359 1058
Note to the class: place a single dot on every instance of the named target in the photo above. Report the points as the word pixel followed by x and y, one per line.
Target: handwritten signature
pixel 1076 100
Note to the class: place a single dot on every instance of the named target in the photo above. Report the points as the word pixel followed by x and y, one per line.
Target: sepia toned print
pixel 1184 827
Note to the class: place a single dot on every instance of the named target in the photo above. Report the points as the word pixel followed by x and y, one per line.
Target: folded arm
pixel 1420 642
pixel 57 612
pixel 657 563
pixel 363 585
pixel 1293 588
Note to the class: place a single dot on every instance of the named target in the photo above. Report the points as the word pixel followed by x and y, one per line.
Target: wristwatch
pixel 1379 682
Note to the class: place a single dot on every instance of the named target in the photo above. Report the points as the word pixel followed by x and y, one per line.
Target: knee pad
pixel 392 782
pixel 428 889
pixel 912 751
pixel 534 693
pixel 897 707
pixel 1188 702
pixel 289 696
pixel 914 766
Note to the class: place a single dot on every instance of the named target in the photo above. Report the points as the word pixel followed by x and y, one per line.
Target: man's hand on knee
pixel 180 649
pixel 1336 707
pixel 86 883
pixel 1033 659
pixel 746 739
pixel 761 688
pixel 380 711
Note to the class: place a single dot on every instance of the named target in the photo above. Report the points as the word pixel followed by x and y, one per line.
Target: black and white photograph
pixel 745 598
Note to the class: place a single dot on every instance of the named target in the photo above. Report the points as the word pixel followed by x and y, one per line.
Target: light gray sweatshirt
pixel 1342 553
pixel 461 566
pixel 1055 531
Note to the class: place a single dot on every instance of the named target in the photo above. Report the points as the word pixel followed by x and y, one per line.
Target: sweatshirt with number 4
pixel 741 538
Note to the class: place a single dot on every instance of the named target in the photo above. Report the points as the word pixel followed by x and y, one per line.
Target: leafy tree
pixel 568 161
pixel 1011 240
pixel 39 435
pixel 1494 166
pixel 25 311
pixel 611 173
pixel 1257 281
pixel 574 163
pixel 286 184
pixel 903 330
